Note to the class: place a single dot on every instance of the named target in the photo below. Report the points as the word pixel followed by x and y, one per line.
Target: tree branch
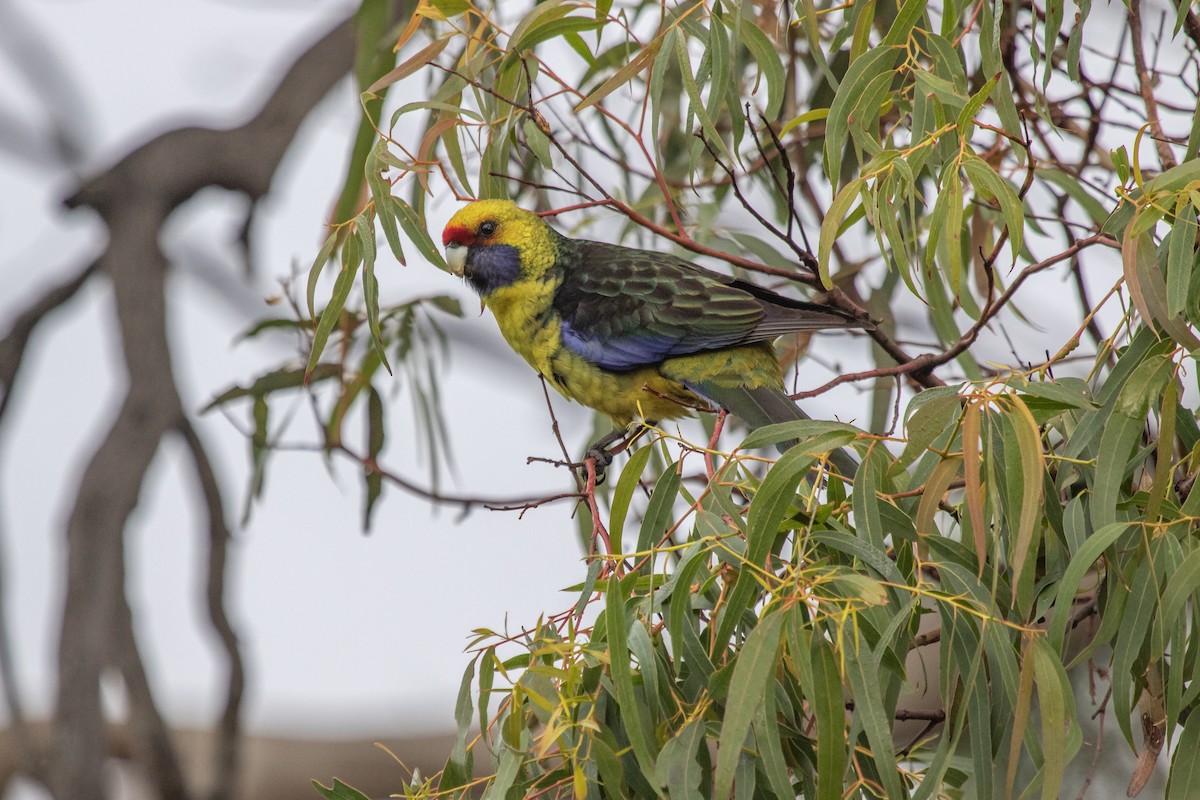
pixel 228 740
pixel 135 197
pixel 1146 86
pixel 12 347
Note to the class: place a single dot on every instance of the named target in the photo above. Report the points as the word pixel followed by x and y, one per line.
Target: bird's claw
pixel 600 459
pixel 601 452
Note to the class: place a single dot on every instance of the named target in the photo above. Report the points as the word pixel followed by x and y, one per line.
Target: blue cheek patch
pixel 492 267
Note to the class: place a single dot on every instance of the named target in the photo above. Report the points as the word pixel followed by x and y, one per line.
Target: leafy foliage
pixel 762 630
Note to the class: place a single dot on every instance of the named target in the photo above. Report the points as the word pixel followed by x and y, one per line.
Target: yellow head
pixel 494 243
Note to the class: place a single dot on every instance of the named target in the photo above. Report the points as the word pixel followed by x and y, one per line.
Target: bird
pixel 638 335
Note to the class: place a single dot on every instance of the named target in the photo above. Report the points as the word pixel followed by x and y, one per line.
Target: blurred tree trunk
pixel 134 198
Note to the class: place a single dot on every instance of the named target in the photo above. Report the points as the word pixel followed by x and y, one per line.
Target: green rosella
pixel 635 334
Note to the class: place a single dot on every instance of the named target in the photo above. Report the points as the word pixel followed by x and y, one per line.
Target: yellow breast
pixel 524 313
pixel 526 318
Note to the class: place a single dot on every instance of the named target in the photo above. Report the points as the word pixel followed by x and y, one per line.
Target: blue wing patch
pixel 618 353
pixel 638 350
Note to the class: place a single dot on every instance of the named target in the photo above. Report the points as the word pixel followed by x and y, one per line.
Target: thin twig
pixel 1146 85
pixel 926 363
pixel 466 502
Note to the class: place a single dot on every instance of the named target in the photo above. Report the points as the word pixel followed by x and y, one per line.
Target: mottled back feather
pixel 622 308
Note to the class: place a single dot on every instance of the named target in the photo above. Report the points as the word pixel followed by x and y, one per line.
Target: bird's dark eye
pixel 487 228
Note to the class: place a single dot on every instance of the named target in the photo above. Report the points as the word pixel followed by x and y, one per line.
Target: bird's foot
pixel 595 465
pixel 599 453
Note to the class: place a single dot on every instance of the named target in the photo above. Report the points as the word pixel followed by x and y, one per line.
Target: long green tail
pixel 766 406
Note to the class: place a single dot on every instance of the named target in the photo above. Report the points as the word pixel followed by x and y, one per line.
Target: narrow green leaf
pixel 863 70
pixel 1182 582
pixel 658 516
pixel 866 503
pixel 747 692
pixel 375 439
pixel 560 28
pixel 624 75
pixel 1181 254
pixel 696 102
pixel 333 311
pixel 825 694
pixel 929 414
pixel 1175 179
pixel 276 381
pixel 1061 735
pixel 931 496
pixel 1024 702
pixel 531 25
pixel 1184 780
pixel 487 676
pixel 812 115
pixel 1081 563
pixel 678 768
pixel 373 58
pixel 929 84
pixel 622 675
pixel 1033 465
pixel 643 650
pixel 768 60
pixel 314 272
pixel 1193 142
pixel 863 672
pixel 875 558
pixel 410 65
pixel 538 143
pixel 381 194
pixel 1165 455
pixel 768 740
pixel 1075 39
pixel 1053 26
pixel 984 177
pixel 767 510
pixel 948 62
pixel 1112 461
pixel 458 770
pixel 631 477
pixel 339 791
pixel 831 226
pixel 806 10
pixel 609 766
pixel 906 19
pixel 418 233
pixel 510 764
pixel 681 619
pixel 966 118
pixel 364 229
pixel 1140 607
pixel 814 435
pixel 951 244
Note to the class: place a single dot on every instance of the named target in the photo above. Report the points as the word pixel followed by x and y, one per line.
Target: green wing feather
pixel 621 308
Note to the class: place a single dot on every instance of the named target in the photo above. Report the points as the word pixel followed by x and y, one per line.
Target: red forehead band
pixel 459 234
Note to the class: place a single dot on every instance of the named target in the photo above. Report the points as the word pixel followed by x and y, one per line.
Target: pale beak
pixel 456 258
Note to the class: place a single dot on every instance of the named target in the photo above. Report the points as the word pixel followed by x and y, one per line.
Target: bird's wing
pixel 622 308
